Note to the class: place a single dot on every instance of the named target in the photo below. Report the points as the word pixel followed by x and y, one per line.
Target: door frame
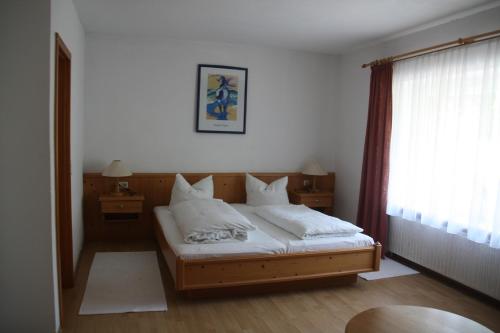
pixel 62 132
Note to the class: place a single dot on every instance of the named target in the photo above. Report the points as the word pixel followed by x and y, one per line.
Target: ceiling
pixel 326 26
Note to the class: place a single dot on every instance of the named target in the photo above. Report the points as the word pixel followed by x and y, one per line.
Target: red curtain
pixel 375 175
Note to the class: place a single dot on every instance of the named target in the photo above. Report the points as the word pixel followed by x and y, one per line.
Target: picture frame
pixel 221 99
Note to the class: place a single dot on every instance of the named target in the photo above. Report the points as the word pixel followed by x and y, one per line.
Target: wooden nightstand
pixel 322 201
pixel 121 208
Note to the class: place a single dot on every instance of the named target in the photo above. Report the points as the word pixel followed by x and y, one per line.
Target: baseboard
pixel 446 280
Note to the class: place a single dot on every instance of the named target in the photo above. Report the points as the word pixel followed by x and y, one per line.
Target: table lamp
pixel 116 170
pixel 313 168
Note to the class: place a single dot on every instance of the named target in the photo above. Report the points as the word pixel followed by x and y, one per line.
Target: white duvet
pixel 210 221
pixel 305 222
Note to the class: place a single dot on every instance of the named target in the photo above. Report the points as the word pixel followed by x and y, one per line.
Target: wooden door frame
pixel 62 131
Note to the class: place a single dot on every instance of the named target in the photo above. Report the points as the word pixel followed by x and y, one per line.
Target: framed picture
pixel 221 99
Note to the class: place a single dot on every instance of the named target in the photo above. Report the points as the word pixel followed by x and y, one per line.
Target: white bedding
pixel 258 242
pixel 210 221
pixel 306 223
pixel 296 245
pixel 267 239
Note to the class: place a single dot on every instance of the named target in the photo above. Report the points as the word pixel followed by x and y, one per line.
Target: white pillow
pixel 260 194
pixel 183 191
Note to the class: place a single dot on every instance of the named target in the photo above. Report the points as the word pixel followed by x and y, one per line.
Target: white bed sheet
pixel 297 245
pixel 267 239
pixel 258 242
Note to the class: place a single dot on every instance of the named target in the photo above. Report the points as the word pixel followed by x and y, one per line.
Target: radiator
pixel 474 265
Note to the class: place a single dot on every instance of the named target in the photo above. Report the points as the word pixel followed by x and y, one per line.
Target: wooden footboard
pixel 196 274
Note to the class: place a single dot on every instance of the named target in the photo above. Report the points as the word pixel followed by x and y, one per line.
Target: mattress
pixel 296 245
pixel 267 239
pixel 258 242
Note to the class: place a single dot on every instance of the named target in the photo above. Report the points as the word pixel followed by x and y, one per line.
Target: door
pixel 63 163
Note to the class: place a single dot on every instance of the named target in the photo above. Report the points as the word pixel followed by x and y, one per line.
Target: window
pixel 445 145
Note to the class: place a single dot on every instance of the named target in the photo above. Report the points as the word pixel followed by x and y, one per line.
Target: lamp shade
pixel 116 169
pixel 314 169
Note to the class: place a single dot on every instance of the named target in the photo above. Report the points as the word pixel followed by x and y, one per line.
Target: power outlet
pixel 307 183
pixel 123 184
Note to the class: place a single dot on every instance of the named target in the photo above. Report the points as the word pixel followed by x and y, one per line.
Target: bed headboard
pixel 156 188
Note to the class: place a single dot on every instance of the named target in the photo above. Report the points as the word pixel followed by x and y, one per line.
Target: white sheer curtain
pixel 445 145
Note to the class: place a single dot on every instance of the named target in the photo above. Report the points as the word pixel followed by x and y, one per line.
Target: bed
pixel 271 256
pixel 289 265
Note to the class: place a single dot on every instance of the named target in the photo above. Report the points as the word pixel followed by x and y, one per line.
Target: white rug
pixel 124 282
pixel 388 268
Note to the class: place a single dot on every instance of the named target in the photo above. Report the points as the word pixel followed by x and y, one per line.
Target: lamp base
pixel 314 189
pixel 117 192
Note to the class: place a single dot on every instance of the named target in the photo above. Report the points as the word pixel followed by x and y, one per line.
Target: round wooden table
pixel 411 319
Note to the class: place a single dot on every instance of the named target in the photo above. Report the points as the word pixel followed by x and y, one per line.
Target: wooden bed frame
pixel 256 273
pixel 194 275
pixel 197 277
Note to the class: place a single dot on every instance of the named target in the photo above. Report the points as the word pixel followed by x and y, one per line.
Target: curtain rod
pixel 435 48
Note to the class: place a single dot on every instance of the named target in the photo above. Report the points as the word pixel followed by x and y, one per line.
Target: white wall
pixel 65 21
pixel 140 107
pixel 328 132
pixel 27 273
pixel 354 85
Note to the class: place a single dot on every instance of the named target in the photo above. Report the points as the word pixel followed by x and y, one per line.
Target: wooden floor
pixel 323 310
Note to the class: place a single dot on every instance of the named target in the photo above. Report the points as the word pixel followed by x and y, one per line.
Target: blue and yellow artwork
pixel 222 97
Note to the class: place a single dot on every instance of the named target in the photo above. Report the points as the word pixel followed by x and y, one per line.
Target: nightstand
pixel 121 208
pixel 322 201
